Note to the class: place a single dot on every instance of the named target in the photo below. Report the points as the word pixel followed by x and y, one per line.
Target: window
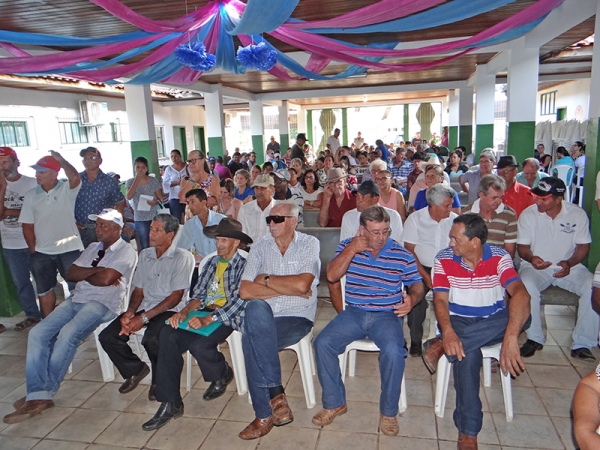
pixel 160 141
pixel 548 103
pixel 73 133
pixel 115 131
pixel 14 134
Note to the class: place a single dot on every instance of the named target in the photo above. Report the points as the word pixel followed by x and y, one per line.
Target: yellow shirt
pixel 215 294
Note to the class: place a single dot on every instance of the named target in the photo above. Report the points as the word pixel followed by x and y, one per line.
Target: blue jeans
pixel 17 261
pixel 384 328
pixel 52 344
pixel 176 209
pixel 262 338
pixel 142 230
pixel 474 333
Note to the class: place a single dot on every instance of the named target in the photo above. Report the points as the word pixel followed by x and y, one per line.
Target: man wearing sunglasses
pixel 102 274
pixel 280 286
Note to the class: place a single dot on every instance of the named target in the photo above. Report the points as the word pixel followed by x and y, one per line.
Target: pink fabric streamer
pixel 15 51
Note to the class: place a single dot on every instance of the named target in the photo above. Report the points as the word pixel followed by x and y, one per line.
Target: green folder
pixel 204 331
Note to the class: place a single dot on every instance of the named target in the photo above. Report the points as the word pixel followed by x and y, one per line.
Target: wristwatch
pixel 144 318
pixel 214 318
pixel 267 280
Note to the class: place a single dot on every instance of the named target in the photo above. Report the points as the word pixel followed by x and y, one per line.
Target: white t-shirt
pixel 351 222
pixel 427 235
pixel 334 144
pixel 53 217
pixel 11 230
pixel 555 239
pixel 253 219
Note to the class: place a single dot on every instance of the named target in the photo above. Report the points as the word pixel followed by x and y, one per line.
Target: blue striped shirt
pixel 377 283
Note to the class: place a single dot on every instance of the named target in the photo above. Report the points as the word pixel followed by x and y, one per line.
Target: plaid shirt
pixel 403 170
pixel 232 313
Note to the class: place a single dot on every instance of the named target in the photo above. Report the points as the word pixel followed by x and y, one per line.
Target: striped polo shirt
pixel 474 293
pixel 377 283
pixel 502 226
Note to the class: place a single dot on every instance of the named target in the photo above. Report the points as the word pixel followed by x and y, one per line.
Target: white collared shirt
pixel 351 222
pixel 427 235
pixel 253 219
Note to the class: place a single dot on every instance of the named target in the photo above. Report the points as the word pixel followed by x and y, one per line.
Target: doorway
pixel 199 139
pixel 180 141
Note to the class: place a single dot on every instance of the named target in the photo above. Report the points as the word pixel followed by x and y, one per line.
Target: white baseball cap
pixel 109 214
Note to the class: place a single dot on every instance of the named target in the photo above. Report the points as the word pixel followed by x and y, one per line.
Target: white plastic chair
pixel 565 173
pixel 365 345
pixel 443 378
pixel 578 187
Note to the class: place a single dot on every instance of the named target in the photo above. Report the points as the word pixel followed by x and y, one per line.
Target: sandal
pixel 30 321
pixel 2 328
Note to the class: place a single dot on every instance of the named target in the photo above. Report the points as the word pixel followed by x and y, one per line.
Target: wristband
pixel 267 280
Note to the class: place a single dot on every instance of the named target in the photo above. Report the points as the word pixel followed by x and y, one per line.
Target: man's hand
pixel 57 156
pixel 452 345
pixel 510 357
pixel 405 307
pixel 328 191
pixel 176 319
pixel 539 264
pixel 427 279
pixel 135 324
pixel 199 322
pixel 359 243
pixel 564 271
pixel 125 320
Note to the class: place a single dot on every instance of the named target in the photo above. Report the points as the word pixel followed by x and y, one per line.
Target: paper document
pixel 143 203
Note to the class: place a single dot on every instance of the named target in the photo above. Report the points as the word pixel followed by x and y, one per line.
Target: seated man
pixel 102 273
pixel 376 269
pixel 216 293
pixel 553 239
pixel 160 283
pixel 337 199
pixel 280 283
pixel 252 214
pixel 531 174
pixel 473 318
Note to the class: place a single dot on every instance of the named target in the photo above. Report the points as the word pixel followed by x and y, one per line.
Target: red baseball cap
pixel 46 163
pixel 7 151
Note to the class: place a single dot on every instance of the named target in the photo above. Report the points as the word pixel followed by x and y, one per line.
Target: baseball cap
pixel 212 159
pixel 46 163
pixel 368 187
pixel 283 174
pixel 549 186
pixel 112 215
pixel 7 151
pixel 263 181
pixel 92 150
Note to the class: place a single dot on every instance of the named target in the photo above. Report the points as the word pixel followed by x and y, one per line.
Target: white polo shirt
pixel 253 219
pixel 53 217
pixel 427 235
pixel 554 240
pixel 351 222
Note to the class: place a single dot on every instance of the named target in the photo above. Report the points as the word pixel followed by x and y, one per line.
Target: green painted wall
pixel 521 140
pixel 484 138
pixel 148 150
pixel 452 137
pixel 9 306
pixel 592 167
pixel 284 142
pixel 309 127
pixel 215 146
pixel 258 147
pixel 344 126
pixel 465 137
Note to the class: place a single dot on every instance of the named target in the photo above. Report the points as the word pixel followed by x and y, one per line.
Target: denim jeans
pixel 142 230
pixel 384 328
pixel 52 344
pixel 17 261
pixel 474 333
pixel 262 338
pixel 176 209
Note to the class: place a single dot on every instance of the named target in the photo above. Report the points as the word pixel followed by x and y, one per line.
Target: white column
pixel 465 118
pixel 140 116
pixel 257 128
pixel 485 85
pixel 595 81
pixel 284 126
pixel 215 122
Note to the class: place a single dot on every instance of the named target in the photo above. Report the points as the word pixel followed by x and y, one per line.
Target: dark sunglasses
pixel 276 219
pixel 99 258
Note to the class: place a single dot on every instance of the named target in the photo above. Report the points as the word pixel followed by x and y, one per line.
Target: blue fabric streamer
pixel 225 49
pixel 15 37
pixel 262 16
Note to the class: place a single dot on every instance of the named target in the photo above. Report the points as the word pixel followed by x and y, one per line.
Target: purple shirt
pixel 223 171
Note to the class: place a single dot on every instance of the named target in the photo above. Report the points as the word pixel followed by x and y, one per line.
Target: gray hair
pixel 377 163
pixel 532 161
pixel 244 173
pixel 489 154
pixel 491 181
pixel 374 213
pixel 297 160
pixel 170 223
pixel 438 193
pixel 292 208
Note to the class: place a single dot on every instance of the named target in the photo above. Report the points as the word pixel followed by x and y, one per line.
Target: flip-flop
pixel 26 324
pixel 2 328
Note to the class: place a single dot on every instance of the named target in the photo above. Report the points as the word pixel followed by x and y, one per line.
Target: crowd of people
pixel 221 247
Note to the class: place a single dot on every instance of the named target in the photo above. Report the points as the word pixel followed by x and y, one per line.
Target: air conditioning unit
pixel 93 113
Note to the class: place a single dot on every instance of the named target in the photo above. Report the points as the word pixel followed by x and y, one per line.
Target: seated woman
pixel 254 172
pixel 455 166
pixel 564 159
pixel 243 190
pixel 388 196
pixel 434 175
pixel 352 181
pixel 586 411
pixel 228 204
pixel 311 191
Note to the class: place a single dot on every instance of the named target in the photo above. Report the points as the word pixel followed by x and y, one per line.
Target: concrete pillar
pixel 215 122
pixel 465 118
pixel 140 115
pixel 407 136
pixel 523 70
pixel 308 126
pixel 592 157
pixel 453 119
pixel 257 128
pixel 485 85
pixel 303 126
pixel 284 127
pixel 344 126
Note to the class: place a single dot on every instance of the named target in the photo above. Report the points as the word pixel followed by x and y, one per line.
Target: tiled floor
pixel 90 414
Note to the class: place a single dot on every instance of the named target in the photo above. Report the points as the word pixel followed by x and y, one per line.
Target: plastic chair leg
pixel 441 385
pixel 188 384
pixel 403 402
pixel 351 363
pixel 237 359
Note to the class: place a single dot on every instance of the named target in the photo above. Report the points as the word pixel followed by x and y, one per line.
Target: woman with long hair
pixel 311 190
pixel 243 190
pixel 254 172
pixel 201 178
pixel 455 167
pixel 171 181
pixel 228 204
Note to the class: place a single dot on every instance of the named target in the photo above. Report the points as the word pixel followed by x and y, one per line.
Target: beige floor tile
pixel 84 425
pixel 289 437
pixel 527 431
pixel 557 401
pixel 590 365
pixel 196 406
pixel 7 341
pixel 40 425
pixel 448 445
pixel 302 415
pixel 367 364
pixel 238 409
pixel 77 366
pixel 525 400
pixel 5 408
pixel 12 365
pixel 363 389
pixel 330 439
pixel 74 393
pixel 47 444
pixel 550 354
pixel 9 384
pixel 294 388
pixel 564 377
pixel 18 347
pixel 326 313
pixel 362 417
pixel 224 435
pixel 288 360
pixel 17 443
pixel 418 422
pixel 110 399
pixel 419 392
pixel 15 394
pixel 181 433
pixel 405 443
pixel 126 431
pixel 318 326
pixel 560 322
pixel 558 310
pixel 564 338
pixel 93 372
pixel 103 447
pixel 522 380
pixel 564 425
pixel 447 430
pixel 415 368
pixel 141 405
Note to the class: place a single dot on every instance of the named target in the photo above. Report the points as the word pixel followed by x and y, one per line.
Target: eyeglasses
pixel 101 254
pixel 383 233
pixel 276 219
pixel 91 158
pixel 382 179
pixel 337 183
pixel 193 160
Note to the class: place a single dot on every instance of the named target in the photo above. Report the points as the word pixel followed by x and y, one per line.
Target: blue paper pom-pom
pixel 194 56
pixel 258 57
